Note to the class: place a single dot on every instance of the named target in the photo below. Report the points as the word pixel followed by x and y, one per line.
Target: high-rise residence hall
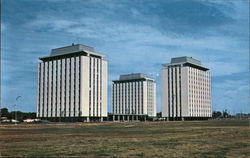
pixel 134 97
pixel 186 90
pixel 72 85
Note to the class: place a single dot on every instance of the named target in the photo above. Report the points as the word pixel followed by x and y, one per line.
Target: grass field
pixel 137 139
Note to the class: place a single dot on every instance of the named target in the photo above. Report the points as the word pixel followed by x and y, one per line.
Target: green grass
pixel 227 138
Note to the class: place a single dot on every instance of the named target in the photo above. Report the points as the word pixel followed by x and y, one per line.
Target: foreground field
pixel 138 139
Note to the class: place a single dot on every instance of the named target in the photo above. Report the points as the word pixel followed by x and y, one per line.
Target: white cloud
pixel 231 84
pixel 137 37
pixel 54 25
pixel 232 95
pixel 115 31
pixel 56 1
pixel 3 27
pixel 225 68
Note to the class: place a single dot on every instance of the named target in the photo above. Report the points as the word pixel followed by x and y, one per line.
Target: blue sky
pixel 136 36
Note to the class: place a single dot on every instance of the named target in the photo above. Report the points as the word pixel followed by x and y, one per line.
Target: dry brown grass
pixel 138 139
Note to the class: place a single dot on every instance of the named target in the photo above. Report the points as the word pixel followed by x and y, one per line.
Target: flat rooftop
pixel 186 61
pixel 74 49
pixel 133 77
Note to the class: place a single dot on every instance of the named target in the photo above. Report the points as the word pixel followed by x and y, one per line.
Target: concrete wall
pixel 84 89
pixel 185 91
pixel 104 112
pixel 164 92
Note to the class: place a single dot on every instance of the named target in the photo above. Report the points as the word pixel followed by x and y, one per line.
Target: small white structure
pixel 14 121
pixel 5 120
pixel 29 120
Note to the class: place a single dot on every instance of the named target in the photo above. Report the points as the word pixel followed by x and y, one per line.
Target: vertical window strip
pixel 142 98
pixel 176 93
pixel 69 86
pixel 56 88
pixel 65 82
pixel 52 77
pixel 94 103
pixel 97 88
pixel 47 87
pixel 147 97
pixel 172 90
pixel 38 80
pixel 168 92
pixel 128 98
pixel 116 99
pixel 139 97
pixel 43 113
pixel 120 94
pixel 137 100
pixel 180 91
pixel 79 88
pixel 113 105
pixel 90 85
pixel 101 87
pixel 125 92
pixel 75 86
pixel 123 98
pixel 132 98
pixel 60 96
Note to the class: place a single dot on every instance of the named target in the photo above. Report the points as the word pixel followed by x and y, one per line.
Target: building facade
pixel 133 97
pixel 72 85
pixel 186 90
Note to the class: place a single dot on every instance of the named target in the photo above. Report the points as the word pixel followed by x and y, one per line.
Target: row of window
pixel 59 81
pixel 95 68
pixel 128 98
pixel 174 91
pixel 47 78
pixel 150 97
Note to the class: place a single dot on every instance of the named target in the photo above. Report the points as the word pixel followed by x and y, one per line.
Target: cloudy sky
pixel 136 36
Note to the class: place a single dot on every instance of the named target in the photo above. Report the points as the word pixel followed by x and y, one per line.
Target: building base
pixel 186 118
pixel 127 118
pixel 74 119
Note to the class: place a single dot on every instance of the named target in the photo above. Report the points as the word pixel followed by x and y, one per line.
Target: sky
pixel 136 35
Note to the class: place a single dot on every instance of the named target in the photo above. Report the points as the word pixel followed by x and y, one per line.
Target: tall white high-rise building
pixel 72 85
pixel 186 90
pixel 133 97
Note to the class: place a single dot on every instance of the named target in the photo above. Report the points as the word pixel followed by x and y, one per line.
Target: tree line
pixel 20 115
pixel 215 115
pixel 25 115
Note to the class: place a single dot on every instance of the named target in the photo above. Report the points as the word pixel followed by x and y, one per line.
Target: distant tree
pixel 216 114
pixel 159 114
pixel 22 115
pixel 14 114
pixel 109 113
pixel 225 114
pixel 4 112
pixel 27 115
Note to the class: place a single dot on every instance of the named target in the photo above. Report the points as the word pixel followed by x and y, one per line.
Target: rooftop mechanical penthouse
pixel 72 85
